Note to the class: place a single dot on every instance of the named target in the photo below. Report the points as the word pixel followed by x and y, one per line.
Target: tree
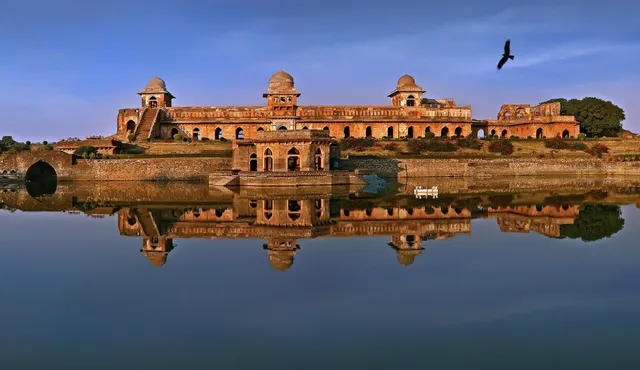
pixel 594 222
pixel 597 117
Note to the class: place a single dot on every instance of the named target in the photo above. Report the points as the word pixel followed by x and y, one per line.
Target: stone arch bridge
pixel 34 165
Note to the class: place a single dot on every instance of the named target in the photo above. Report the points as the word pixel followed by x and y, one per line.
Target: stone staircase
pixel 143 130
pixel 147 223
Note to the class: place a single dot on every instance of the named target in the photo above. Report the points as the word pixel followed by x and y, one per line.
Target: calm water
pixel 198 279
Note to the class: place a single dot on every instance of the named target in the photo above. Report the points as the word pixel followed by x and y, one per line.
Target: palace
pixel 410 114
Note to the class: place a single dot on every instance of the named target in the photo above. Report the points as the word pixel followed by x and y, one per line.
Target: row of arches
pixel 292 160
pixel 505 133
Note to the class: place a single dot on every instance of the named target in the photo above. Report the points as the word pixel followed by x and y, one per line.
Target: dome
pixel 157 83
pixel 156 258
pixel 406 80
pixel 281 260
pixel 407 257
pixel 281 81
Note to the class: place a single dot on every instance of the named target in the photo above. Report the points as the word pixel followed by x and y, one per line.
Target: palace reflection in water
pixel 158 214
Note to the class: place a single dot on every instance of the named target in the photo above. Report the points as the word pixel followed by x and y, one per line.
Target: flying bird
pixel 507 54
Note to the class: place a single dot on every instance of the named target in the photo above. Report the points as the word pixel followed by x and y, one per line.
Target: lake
pixel 178 275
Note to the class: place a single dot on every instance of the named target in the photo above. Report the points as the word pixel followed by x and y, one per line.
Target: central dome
pixel 406 80
pixel 281 81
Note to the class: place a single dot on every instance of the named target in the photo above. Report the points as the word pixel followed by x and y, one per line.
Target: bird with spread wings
pixel 507 54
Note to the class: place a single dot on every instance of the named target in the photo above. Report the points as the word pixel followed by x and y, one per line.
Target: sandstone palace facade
pixel 410 114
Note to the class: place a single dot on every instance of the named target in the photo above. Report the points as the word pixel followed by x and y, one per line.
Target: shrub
pixel 47 147
pixel 597 150
pixel 559 144
pixel 177 137
pixel 357 142
pixel 87 152
pixel 131 137
pixel 391 147
pixel 426 145
pixel 470 143
pixel 224 140
pixel 205 139
pixel 582 136
pixel 502 146
pixel 45 142
pixel 429 135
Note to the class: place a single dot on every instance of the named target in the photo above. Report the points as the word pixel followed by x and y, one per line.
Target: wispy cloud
pixel 572 50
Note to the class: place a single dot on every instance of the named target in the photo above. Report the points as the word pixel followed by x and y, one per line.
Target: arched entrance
pixel 293 160
pixel 390 132
pixel 427 130
pixel 131 126
pixel 282 128
pixel 493 133
pixel 367 131
pixel 480 134
pixel 504 133
pixel 411 101
pixel 444 132
pixel 153 102
pixel 458 131
pixel 218 133
pixel 239 133
pixel 565 134
pixel 268 160
pixel 539 133
pixel 260 129
pixel 410 132
pixel 41 179
pixel 253 162
pixel 174 132
pixel 326 129
pixel 318 160
pixel 347 132
pixel 305 128
pixel 196 134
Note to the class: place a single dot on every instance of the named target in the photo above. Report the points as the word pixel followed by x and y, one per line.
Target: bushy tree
pixel 594 222
pixel 597 117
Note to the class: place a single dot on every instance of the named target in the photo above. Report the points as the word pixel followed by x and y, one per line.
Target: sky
pixel 66 67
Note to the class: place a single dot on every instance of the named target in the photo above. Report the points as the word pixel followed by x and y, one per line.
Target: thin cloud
pixel 570 51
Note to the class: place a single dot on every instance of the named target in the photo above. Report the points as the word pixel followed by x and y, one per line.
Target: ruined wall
pixel 494 168
pixel 124 116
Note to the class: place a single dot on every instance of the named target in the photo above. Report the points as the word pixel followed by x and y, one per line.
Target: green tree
pixel 595 222
pixel 597 117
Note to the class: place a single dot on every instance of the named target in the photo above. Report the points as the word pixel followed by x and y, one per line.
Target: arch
pixel 481 133
pixel 504 133
pixel 519 113
pixel 268 160
pixel 410 132
pixel 153 102
pixel 326 128
pixel 565 134
pixel 305 128
pixel 539 133
pixel 390 131
pixel 260 129
pixel 131 125
pixel 347 132
pixel 507 115
pixel 367 131
pixel 41 179
pixel 444 132
pixel 282 128
pixel 239 133
pixel 174 131
pixel 427 130
pixel 318 165
pixel 196 134
pixel 293 160
pixel 458 131
pixel 39 171
pixel 218 133
pixel 253 162
pixel 411 101
pixel 493 133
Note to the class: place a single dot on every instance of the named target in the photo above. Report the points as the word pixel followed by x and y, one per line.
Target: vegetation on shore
pixel 597 117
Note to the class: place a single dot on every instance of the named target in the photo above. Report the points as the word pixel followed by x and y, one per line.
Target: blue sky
pixel 66 67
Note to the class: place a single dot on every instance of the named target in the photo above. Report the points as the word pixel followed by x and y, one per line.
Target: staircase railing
pixel 153 123
pixel 140 120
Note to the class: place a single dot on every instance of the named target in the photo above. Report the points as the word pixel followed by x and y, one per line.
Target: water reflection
pixel 158 214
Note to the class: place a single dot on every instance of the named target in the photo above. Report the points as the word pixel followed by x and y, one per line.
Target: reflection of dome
pixel 281 81
pixel 156 258
pixel 407 257
pixel 406 80
pixel 281 260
